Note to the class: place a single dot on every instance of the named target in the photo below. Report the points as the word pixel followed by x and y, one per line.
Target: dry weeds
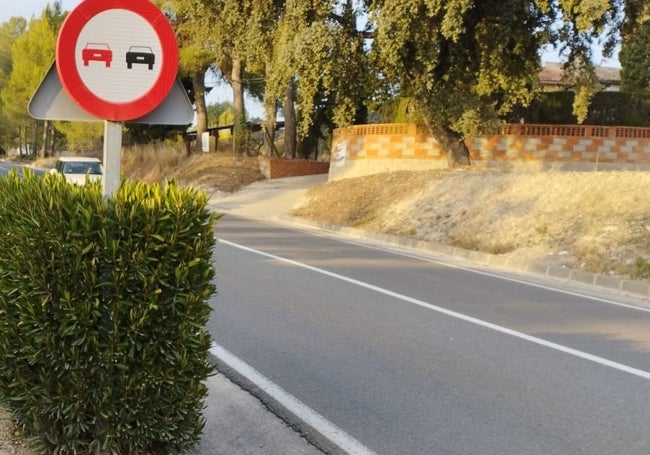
pixel 595 221
pixel 211 172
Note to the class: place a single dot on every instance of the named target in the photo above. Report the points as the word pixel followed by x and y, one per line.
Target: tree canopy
pixel 32 52
pixel 460 66
pixel 467 63
pixel 635 62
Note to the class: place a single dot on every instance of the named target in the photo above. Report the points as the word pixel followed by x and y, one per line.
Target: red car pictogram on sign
pixel 98 52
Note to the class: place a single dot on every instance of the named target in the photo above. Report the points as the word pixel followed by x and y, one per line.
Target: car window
pixel 80 168
pixel 93 168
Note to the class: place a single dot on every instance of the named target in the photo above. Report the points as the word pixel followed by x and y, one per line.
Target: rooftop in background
pixel 552 72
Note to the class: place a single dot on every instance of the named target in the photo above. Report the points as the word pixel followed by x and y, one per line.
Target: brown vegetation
pixel 594 221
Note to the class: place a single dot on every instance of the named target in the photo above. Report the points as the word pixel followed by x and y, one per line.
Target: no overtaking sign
pixel 117 59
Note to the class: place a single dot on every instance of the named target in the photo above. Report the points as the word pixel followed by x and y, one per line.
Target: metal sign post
pixel 112 157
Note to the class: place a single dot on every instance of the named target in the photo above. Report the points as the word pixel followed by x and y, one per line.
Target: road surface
pixel 410 355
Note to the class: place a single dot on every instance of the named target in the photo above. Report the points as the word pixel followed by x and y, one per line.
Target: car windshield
pixel 82 168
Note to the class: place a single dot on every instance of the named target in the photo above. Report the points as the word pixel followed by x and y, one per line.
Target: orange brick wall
pixel 366 149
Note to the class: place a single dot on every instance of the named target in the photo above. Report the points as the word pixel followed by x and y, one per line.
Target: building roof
pixel 552 72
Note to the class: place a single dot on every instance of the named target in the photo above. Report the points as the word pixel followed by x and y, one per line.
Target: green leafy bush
pixel 103 306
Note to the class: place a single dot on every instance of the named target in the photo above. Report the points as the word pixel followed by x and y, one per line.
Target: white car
pixel 77 168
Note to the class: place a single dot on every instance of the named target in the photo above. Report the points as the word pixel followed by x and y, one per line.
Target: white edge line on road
pixel 291 403
pixel 539 341
pixel 402 250
pixel 505 277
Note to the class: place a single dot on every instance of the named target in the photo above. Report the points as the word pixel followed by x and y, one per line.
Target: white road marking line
pixel 503 277
pixel 402 250
pixel 297 407
pixel 539 341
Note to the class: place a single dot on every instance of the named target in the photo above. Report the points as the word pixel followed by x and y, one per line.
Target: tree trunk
pixel 239 131
pixel 20 141
pixel 453 145
pixel 52 138
pixel 290 130
pixel 198 85
pixel 268 126
pixel 44 142
pixel 34 137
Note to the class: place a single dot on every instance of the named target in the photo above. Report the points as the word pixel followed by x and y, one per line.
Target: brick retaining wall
pixel 369 149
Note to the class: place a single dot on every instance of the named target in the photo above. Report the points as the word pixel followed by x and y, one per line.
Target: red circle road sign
pixel 117 59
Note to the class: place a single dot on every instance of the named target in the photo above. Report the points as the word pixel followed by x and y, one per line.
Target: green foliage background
pixel 103 306
pixel 607 108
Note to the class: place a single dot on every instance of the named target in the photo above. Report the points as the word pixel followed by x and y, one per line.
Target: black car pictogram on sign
pixel 140 55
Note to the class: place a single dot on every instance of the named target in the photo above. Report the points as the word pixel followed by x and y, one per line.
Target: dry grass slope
pixel 208 171
pixel 595 221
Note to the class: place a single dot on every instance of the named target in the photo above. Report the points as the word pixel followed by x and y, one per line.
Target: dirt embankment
pixel 595 221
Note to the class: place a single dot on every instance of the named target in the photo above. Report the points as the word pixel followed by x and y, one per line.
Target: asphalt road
pixel 421 355
pixel 5 167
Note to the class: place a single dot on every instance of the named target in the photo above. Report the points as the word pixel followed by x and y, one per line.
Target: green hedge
pixel 103 306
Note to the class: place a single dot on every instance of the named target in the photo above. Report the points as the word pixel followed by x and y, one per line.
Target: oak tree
pixel 466 63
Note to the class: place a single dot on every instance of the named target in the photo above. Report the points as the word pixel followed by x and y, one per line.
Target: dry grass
pixel 596 221
pixel 211 172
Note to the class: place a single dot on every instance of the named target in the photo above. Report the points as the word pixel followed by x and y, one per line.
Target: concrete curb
pixel 297 424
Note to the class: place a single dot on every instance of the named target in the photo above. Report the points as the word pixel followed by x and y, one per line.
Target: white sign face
pixel 118 55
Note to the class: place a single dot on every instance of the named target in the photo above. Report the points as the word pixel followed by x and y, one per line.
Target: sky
pixel 29 8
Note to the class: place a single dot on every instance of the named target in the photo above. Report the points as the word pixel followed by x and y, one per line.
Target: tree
pixel 462 64
pixel 9 32
pixel 82 137
pixel 347 82
pixel 467 63
pixel 315 66
pixel 262 29
pixel 195 56
pixel 635 62
pixel 223 29
pixel 31 55
pixel 306 52
pixel 221 114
